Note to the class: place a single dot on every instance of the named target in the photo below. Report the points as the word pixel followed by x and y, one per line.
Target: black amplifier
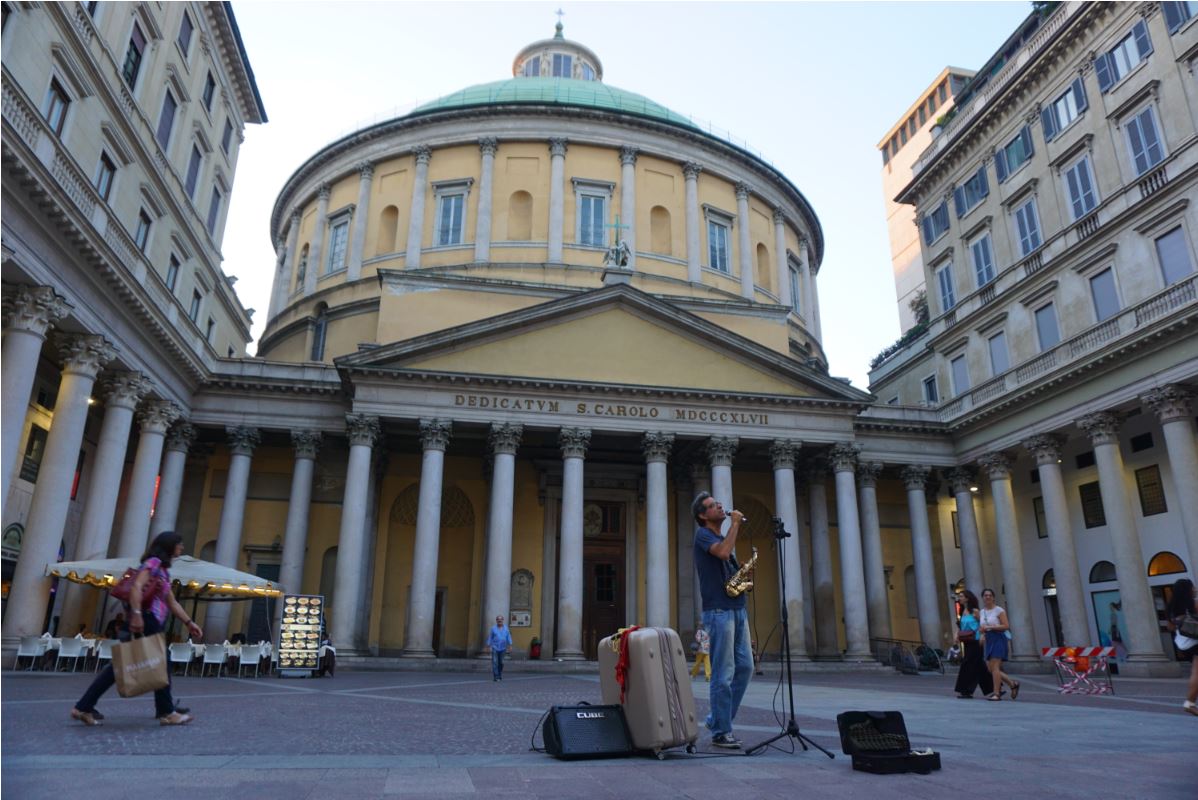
pixel 586 732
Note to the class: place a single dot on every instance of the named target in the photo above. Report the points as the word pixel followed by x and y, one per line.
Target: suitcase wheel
pixel 690 748
pixel 661 756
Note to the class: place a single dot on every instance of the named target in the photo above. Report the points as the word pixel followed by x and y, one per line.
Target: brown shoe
pixel 175 718
pixel 86 717
pixel 1190 708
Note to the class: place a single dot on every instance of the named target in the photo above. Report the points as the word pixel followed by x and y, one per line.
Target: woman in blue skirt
pixel 995 629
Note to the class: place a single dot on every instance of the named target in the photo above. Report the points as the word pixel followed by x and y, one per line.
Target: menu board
pixel 299 634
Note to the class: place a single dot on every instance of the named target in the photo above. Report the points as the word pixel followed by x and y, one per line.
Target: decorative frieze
pixel 721 450
pixel 242 440
pixel 657 446
pixel 32 308
pixel 84 354
pixel 435 434
pixel 306 443
pixel 1045 448
pixel 574 442
pixel 505 437
pixel 784 452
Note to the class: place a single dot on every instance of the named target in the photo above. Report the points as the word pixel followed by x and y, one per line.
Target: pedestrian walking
pixel 973 672
pixel 1183 603
pixel 155 566
pixel 702 653
pixel 996 631
pixel 498 641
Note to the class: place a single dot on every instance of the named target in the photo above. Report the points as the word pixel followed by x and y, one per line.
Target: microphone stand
pixel 791 729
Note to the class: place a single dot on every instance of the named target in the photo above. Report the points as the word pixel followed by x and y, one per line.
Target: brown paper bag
pixel 140 665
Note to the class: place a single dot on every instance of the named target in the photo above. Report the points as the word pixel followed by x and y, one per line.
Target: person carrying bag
pixel 140 665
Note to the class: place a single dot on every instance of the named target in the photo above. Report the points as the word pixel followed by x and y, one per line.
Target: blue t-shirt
pixel 969 623
pixel 500 639
pixel 714 573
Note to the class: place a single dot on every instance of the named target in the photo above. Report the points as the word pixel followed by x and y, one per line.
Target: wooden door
pixel 603 594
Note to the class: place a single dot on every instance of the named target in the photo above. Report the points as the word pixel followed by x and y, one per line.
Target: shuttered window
pixel 1092 511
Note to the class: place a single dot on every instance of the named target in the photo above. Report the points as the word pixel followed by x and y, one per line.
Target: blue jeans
pixel 731 665
pixel 497 663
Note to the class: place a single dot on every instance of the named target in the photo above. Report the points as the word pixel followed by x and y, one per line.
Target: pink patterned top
pixel 159 606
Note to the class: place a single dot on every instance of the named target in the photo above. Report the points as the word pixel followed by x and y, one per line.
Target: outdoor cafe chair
pixel 251 654
pixel 213 654
pixel 181 653
pixel 73 649
pixel 31 647
pixel 104 651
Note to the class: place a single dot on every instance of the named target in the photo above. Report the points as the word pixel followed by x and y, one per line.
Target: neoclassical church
pixel 511 334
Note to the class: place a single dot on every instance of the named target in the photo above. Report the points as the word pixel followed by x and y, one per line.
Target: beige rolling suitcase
pixel 658 701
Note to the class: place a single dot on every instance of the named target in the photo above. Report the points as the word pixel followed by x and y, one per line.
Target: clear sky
pixel 812 87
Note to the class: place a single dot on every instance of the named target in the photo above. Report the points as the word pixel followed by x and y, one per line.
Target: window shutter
pixel 1026 136
pixel 1173 16
pixel 1048 118
pixel 1000 164
pixel 983 183
pixel 1102 68
pixel 1138 151
pixel 959 201
pixel 1079 95
pixel 1143 43
pixel 926 224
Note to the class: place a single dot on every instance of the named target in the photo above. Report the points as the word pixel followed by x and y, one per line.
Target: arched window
pixel 1165 563
pixel 763 267
pixel 660 240
pixel 320 332
pixel 328 577
pixel 1049 581
pixel 1102 572
pixel 519 217
pixel 388 226
pixel 301 272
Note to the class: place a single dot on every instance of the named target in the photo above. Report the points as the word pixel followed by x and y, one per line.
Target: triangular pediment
pixel 614 336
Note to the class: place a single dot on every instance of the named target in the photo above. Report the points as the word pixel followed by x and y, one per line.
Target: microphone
pixel 743 518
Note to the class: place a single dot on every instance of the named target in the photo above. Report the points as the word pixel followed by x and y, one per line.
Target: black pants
pixel 973 672
pixel 163 703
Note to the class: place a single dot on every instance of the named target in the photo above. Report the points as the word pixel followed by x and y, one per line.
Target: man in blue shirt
pixel 498 640
pixel 725 618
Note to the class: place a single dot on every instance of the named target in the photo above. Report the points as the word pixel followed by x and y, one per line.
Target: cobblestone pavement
pixel 448 735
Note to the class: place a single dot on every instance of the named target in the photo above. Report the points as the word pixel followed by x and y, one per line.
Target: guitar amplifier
pixel 586 732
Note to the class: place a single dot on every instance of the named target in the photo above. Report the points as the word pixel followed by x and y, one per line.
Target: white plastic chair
pixel 31 647
pixel 213 654
pixel 181 654
pixel 251 654
pixel 104 651
pixel 73 649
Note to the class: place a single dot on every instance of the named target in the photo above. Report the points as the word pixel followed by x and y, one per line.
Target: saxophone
pixel 742 581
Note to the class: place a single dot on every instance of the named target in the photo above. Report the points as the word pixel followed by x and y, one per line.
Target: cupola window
pixel 588 73
pixel 563 65
pixel 532 67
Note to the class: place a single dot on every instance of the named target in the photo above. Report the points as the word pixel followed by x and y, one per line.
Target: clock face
pixel 592 520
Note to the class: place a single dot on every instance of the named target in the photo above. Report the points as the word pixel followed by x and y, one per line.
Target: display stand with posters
pixel 299 635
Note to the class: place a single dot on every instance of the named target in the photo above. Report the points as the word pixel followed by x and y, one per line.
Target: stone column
pixel 504 440
pixel 299 507
pixel 782 455
pixel 292 255
pixel 997 467
pixel 482 229
pixel 361 217
pixel 700 482
pixel 242 442
pixel 29 311
pixel 628 201
pixel 574 444
pixel 745 244
pixel 1142 634
pixel 782 267
pixel 422 156
pixel 557 198
pixel 352 562
pixel 688 604
pixel 967 528
pixel 282 281
pixel 82 356
pixel 418 635
pixel 720 451
pixel 694 226
pixel 1172 406
pixel 824 590
pixel 1046 450
pixel 877 594
pixel 155 417
pixel 657 536
pixel 803 543
pixel 807 300
pixel 316 249
pixel 852 569
pixel 927 595
pixel 170 487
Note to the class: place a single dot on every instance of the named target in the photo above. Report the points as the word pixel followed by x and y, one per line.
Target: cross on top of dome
pixel 558 57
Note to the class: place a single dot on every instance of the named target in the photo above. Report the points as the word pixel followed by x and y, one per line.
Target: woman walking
pixel 1181 603
pixel 973 673
pixel 155 564
pixel 994 627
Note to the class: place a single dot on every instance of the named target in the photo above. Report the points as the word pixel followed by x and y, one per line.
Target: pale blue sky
pixel 811 87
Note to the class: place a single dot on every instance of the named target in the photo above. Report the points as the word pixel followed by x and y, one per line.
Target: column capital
pixel 156 416
pixel 295 220
pixel 574 442
pixel 1045 448
pixel 657 445
pixel 422 153
pixel 180 437
pixel 743 190
pixel 868 472
pixel 1102 427
pixel 558 146
pixel 362 429
pixel 721 449
pixel 242 440
pixel 783 453
pixel 1169 403
pixel 815 469
pixel 997 466
pixel 306 443
pixel 915 476
pixel 700 472
pixel 843 456
pixel 323 192
pixel 124 389
pixel 691 170
pixel 505 437
pixel 779 216
pixel 365 170
pixel 435 434
pixel 628 156
pixel 488 145
pixel 32 308
pixel 84 354
pixel 961 479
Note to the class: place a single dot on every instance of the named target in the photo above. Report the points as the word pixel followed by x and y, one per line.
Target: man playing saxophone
pixel 725 617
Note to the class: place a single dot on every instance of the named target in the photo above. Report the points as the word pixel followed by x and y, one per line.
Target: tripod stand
pixel 791 729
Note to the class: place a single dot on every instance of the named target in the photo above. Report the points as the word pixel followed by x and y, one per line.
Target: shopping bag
pixel 140 665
